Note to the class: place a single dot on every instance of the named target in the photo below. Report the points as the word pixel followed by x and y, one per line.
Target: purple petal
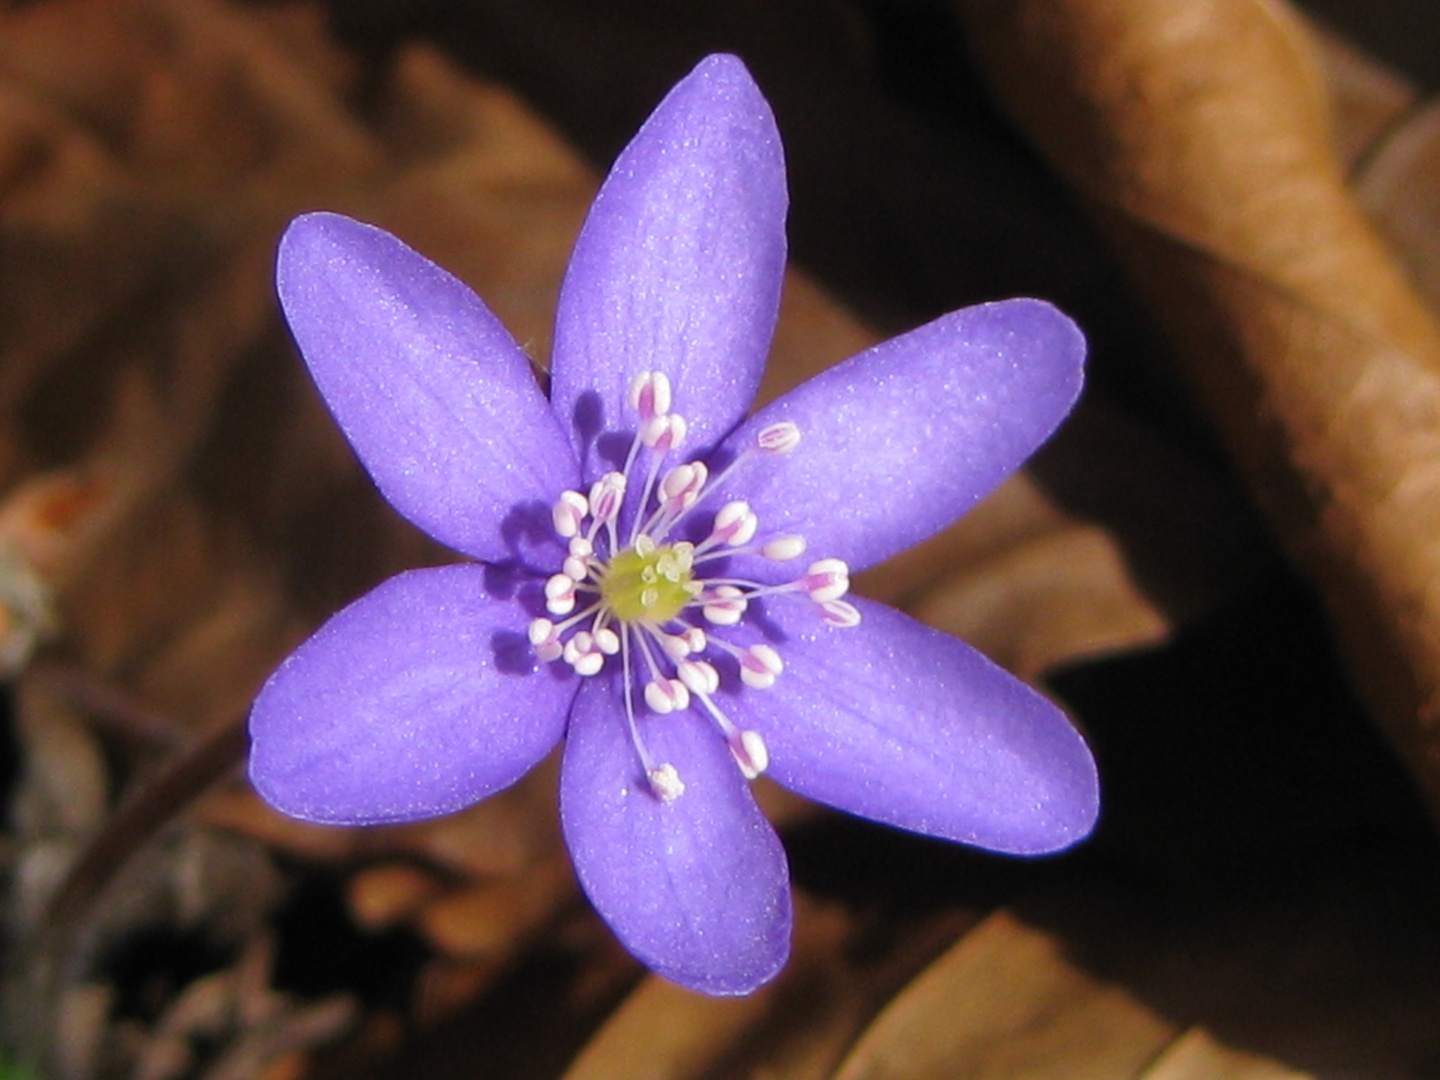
pixel 902 439
pixel 679 265
pixel 697 888
pixel 430 389
pixel 897 722
pixel 418 699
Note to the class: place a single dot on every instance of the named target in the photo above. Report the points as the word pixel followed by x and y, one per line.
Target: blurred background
pixel 1226 565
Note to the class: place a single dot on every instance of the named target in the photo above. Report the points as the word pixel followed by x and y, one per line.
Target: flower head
pixel 658 579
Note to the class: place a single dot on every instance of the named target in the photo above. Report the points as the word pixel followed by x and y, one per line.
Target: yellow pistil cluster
pixel 650 584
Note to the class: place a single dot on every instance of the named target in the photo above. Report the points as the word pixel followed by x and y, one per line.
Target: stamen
pixel 650 394
pixel 545 637
pixel 735 524
pixel 840 613
pixel 681 489
pixel 606 497
pixel 580 653
pixel 784 548
pixel 750 753
pixel 665 696
pixel 663 433
pixel 826 580
pixel 759 667
pixel 725 606
pixel 641 750
pixel 648 585
pixel 569 512
pixel 781 437
pixel 699 676
pixel 560 594
pixel 666 783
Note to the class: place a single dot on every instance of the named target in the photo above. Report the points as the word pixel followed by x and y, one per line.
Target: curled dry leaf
pixel 1367 99
pixel 1007 1001
pixel 799 1027
pixel 1003 1002
pixel 1197 1055
pixel 1397 184
pixel 1199 133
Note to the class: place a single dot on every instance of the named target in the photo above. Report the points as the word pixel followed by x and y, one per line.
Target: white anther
pixel 650 394
pixel 695 638
pixel 735 524
pixel 569 512
pixel 581 548
pixel 575 568
pixel 840 613
pixel 784 548
pixel 560 594
pixel 780 437
pixel 675 646
pixel 581 643
pixel 682 484
pixel 663 433
pixel 665 782
pixel 607 641
pixel 759 667
pixel 826 580
pixel 606 496
pixel 545 637
pixel 699 676
pixel 726 606
pixel 750 753
pixel 581 654
pixel 665 696
pixel 589 664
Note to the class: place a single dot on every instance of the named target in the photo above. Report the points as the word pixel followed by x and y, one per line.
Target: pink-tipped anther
pixel 650 394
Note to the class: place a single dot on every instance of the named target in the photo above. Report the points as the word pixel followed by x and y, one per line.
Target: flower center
pixel 656 604
pixel 648 584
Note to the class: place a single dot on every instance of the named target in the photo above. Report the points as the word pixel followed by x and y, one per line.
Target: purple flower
pixel 659 580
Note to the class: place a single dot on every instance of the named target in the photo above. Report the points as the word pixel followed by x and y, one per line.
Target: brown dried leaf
pixel 1200 134
pixel 1198 1056
pixel 1397 184
pixel 797 1027
pixel 1004 1002
pixel 1367 98
pixel 389 893
pixel 492 919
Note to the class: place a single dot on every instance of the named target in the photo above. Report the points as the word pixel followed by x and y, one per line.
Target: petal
pixel 897 722
pixel 418 699
pixel 678 267
pixel 696 888
pixel 432 392
pixel 902 439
